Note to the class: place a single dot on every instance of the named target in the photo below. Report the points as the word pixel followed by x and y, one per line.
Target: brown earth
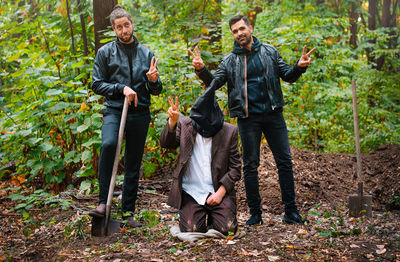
pixel 323 183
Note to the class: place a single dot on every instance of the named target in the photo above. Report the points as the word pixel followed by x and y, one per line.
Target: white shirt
pixel 197 181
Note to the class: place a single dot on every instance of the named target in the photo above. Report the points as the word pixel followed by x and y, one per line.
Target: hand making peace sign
pixel 197 62
pixel 173 113
pixel 152 74
pixel 305 59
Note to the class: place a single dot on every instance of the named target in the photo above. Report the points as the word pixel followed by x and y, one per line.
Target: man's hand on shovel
pixel 131 95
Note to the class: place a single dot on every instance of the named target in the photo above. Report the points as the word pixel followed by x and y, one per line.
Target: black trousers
pixel 274 128
pixel 137 124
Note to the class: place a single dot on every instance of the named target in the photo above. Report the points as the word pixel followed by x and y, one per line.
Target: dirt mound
pixel 330 178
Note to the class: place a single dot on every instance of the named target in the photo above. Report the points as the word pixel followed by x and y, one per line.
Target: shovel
pixel 360 204
pixel 104 226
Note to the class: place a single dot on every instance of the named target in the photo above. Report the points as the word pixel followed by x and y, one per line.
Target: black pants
pixel 137 124
pixel 274 128
pixel 200 218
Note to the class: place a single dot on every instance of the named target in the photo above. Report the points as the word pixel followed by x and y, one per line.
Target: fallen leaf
pixel 230 242
pixel 273 258
pixel 354 246
pixel 380 246
pixel 289 247
pixel 302 232
pixel 380 251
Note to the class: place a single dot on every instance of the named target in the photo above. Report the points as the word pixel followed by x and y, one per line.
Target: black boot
pixel 292 216
pixel 255 220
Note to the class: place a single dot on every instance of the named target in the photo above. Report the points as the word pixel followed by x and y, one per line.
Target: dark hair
pixel 119 12
pixel 237 18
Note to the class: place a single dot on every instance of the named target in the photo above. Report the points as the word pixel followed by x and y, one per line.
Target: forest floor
pixel 323 184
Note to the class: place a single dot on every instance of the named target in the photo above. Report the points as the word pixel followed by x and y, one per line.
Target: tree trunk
pixel 83 25
pixel 71 28
pixel 385 22
pixel 353 24
pixel 373 12
pixel 101 11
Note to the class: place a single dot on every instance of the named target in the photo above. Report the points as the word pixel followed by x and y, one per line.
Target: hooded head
pixel 207 117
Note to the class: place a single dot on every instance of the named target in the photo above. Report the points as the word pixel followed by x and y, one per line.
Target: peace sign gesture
pixel 152 74
pixel 305 59
pixel 197 62
pixel 173 113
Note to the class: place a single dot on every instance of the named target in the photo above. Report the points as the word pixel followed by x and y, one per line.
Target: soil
pixel 323 185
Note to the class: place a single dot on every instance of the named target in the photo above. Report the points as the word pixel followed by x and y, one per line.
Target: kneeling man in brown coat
pixel 203 187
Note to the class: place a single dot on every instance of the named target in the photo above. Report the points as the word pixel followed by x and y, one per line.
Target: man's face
pixel 123 28
pixel 242 33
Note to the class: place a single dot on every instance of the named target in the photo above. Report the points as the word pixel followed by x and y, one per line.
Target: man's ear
pixel 251 29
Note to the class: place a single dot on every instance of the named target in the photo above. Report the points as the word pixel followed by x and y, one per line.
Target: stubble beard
pixel 126 38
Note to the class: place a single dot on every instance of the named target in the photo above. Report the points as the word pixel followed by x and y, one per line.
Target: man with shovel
pixel 253 71
pixel 124 68
pixel 203 185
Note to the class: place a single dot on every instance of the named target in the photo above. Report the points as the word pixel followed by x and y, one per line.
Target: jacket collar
pixel 255 47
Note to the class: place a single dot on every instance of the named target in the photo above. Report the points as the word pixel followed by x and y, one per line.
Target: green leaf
pixel 45 147
pixel 82 128
pixel 53 92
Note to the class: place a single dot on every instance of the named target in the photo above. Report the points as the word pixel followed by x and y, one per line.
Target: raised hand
pixel 305 59
pixel 152 74
pixel 131 95
pixel 173 113
pixel 197 62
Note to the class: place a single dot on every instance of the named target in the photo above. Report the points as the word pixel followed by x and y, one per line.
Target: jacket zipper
pixel 246 102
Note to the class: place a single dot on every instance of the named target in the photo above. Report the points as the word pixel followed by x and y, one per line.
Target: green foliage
pixel 50 120
pixel 38 198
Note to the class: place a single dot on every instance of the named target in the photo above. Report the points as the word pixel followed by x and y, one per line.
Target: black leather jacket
pixel 233 69
pixel 111 74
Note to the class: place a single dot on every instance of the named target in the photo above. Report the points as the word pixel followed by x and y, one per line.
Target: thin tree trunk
pixel 101 11
pixel 353 24
pixel 83 25
pixel 373 12
pixel 385 22
pixel 71 29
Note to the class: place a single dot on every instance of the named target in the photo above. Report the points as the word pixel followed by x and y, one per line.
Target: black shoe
pixel 293 217
pixel 255 220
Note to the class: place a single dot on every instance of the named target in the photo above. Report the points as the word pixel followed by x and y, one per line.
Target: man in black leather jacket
pixel 253 71
pixel 124 68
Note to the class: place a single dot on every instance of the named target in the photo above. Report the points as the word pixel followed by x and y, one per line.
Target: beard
pixel 244 40
pixel 125 38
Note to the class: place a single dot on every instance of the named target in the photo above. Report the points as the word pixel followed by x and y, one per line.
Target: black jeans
pixel 274 128
pixel 137 124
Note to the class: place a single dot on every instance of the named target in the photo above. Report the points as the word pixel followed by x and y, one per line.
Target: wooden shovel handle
pixel 116 161
pixel 356 132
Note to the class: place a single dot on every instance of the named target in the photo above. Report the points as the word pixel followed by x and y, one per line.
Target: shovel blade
pixel 360 205
pixel 99 227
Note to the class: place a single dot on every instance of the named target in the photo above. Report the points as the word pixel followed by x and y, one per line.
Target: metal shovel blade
pixel 360 204
pixel 99 227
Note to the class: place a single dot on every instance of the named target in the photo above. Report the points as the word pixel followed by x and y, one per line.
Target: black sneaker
pixel 293 217
pixel 255 220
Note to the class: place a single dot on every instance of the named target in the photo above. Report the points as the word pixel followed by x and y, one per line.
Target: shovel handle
pixel 356 131
pixel 116 161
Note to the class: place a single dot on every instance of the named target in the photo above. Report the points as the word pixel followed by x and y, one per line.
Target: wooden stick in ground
pixel 116 161
pixel 357 136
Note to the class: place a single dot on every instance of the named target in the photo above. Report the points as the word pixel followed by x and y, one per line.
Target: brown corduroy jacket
pixel 225 158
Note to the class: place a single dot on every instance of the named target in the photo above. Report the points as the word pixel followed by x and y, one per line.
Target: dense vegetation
pixel 50 120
